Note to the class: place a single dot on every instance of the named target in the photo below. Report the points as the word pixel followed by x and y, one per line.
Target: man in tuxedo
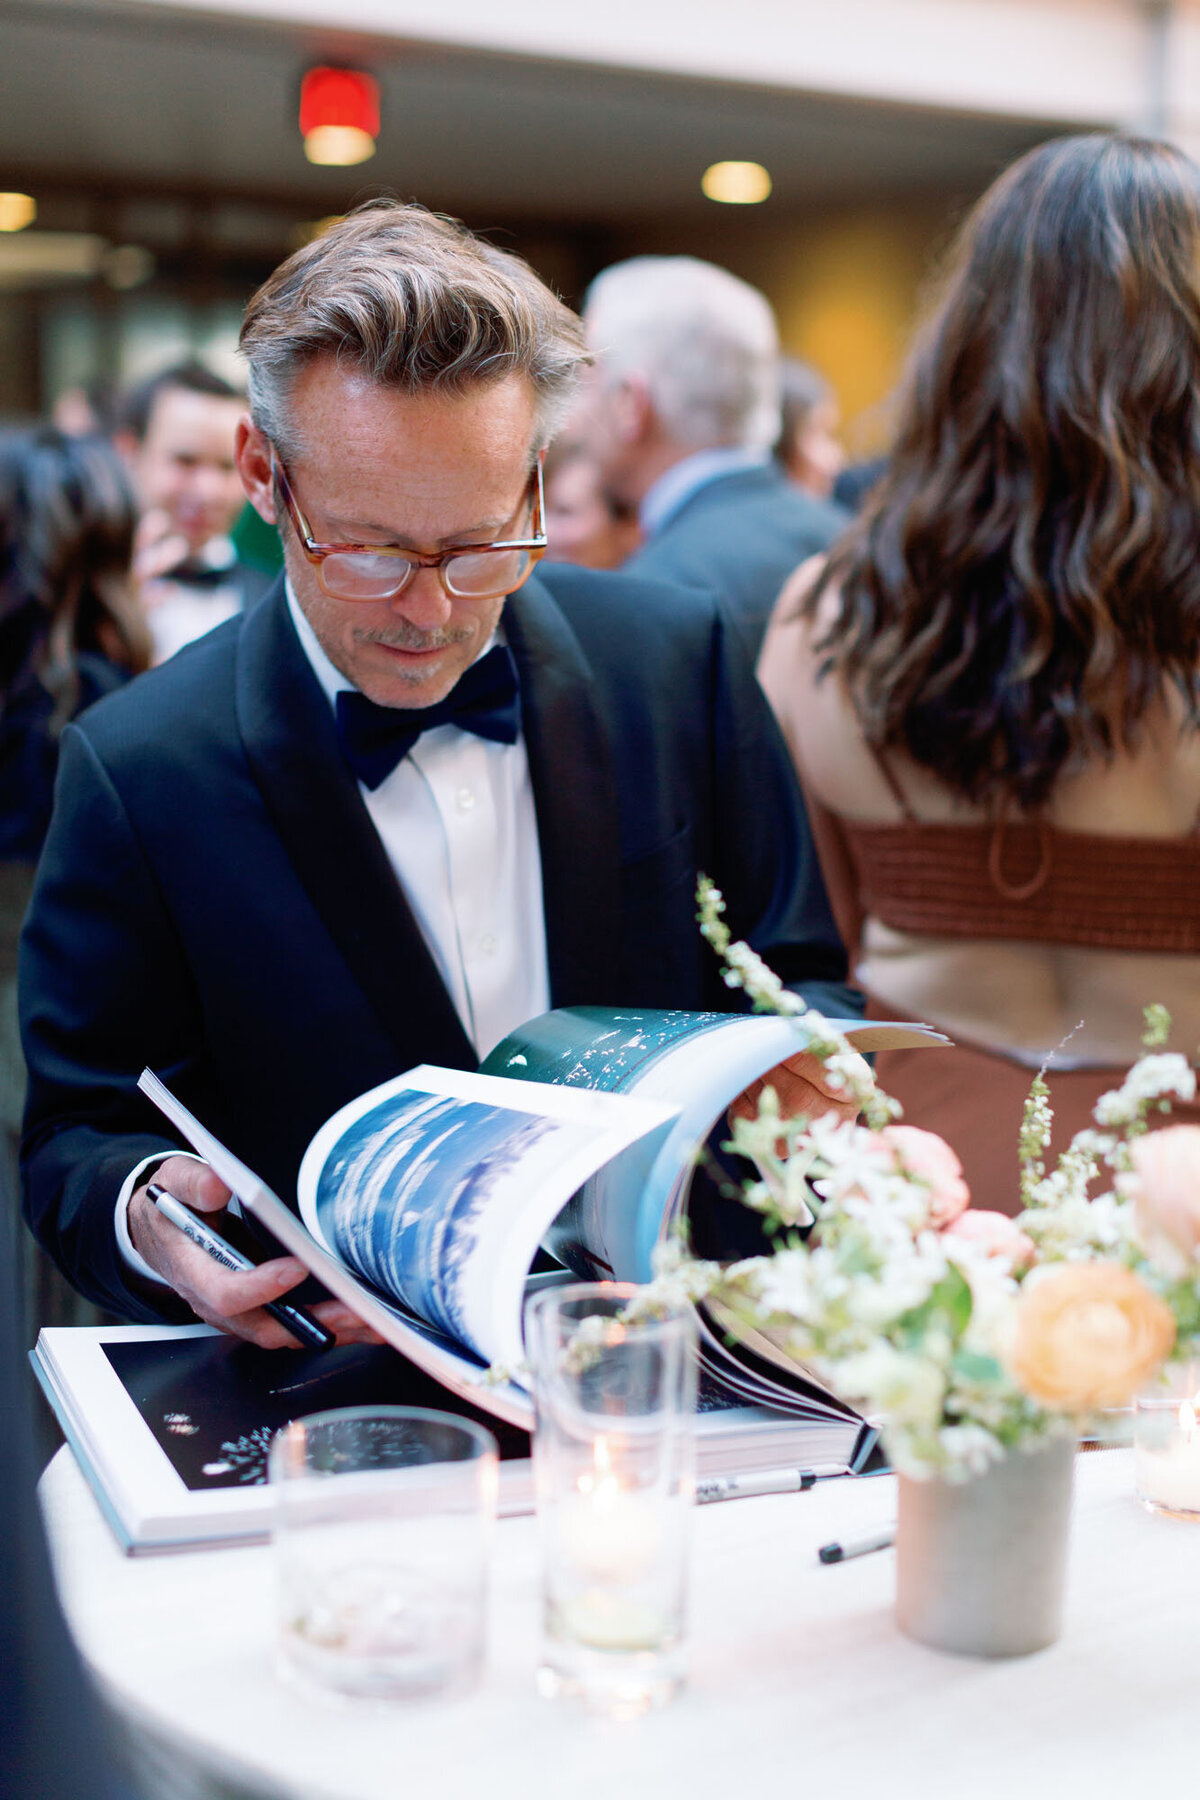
pixel 415 797
pixel 177 435
pixel 680 413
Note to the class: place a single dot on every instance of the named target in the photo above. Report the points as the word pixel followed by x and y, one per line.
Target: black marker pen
pixel 301 1324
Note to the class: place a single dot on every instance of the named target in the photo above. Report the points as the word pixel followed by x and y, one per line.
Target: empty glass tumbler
pixel 382 1527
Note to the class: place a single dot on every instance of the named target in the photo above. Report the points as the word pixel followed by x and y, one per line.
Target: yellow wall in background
pixel 847 288
pixel 847 293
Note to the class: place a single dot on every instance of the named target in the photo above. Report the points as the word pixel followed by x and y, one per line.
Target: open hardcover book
pixel 423 1203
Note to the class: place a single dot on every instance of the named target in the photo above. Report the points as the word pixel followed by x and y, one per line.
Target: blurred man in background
pixel 680 414
pixel 809 448
pixel 177 435
pixel 583 524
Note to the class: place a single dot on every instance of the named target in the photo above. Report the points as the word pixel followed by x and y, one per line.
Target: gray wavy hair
pixel 704 341
pixel 414 301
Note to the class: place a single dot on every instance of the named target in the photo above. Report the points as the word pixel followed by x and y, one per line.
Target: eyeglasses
pixel 381 571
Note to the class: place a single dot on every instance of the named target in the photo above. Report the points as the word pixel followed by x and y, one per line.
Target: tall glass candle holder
pixel 1166 1443
pixel 614 1476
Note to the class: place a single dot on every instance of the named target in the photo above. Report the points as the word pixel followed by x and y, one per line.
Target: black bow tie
pixel 485 700
pixel 200 575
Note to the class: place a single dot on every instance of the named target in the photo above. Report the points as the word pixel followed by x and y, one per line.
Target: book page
pixel 697 1063
pixel 438 1187
pixel 460 1370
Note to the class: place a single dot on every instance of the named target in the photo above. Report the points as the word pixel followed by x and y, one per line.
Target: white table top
pixel 800 1682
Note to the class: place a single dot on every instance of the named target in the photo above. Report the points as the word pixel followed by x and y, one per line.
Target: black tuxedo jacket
pixel 740 537
pixel 213 900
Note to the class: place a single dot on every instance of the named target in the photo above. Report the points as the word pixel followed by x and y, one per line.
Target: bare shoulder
pixel 787 655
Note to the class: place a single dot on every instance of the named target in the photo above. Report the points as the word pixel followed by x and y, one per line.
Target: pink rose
pixel 931 1160
pixel 1166 1188
pixel 994 1234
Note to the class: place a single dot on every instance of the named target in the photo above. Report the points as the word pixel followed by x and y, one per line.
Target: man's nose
pixel 424 602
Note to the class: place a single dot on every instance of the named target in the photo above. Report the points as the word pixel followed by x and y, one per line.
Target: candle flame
pixel 601 1482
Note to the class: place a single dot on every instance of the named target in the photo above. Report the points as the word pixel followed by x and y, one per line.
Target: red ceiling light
pixel 339 116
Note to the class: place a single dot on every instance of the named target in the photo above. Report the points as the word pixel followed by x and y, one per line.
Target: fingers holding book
pixel 803 1089
pixel 176 1222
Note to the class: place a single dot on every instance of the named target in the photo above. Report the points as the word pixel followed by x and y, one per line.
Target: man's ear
pixel 252 454
pixel 633 409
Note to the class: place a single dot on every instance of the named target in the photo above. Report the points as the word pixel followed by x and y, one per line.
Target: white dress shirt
pixel 456 818
pixel 178 611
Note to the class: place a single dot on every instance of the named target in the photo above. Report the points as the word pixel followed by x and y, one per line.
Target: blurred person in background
pixel 89 410
pixel 71 629
pixel 809 449
pixel 857 482
pixel 583 524
pixel 991 688
pixel 177 434
pixel 680 414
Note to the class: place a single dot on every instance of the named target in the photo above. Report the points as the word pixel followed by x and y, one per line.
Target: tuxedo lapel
pixel 288 731
pixel 575 798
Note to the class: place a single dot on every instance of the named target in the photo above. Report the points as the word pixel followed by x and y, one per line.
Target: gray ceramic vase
pixel 980 1564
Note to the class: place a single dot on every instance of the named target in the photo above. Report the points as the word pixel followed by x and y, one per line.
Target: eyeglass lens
pixel 359 576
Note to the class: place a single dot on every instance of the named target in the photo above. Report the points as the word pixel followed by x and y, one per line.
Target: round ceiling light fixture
pixel 17 211
pixel 339 116
pixel 736 183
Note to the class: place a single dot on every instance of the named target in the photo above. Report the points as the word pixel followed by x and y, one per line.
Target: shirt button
pixel 465 799
pixel 487 944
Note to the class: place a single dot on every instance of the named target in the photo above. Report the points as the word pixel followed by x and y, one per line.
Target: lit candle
pixel 1167 1455
pixel 608 1533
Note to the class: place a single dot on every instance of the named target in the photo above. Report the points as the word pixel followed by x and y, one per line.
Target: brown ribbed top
pixel 1058 887
pixel 1024 881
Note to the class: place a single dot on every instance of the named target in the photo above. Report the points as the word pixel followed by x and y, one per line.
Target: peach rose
pixel 1165 1182
pixel 1087 1335
pixel 995 1234
pixel 930 1159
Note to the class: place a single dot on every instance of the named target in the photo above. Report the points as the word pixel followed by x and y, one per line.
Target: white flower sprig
pixel 910 1318
pixel 845 1071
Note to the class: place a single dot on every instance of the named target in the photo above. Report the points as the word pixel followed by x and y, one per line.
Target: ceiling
pixel 102 99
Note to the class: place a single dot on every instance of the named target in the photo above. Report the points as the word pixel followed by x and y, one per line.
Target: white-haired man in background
pixel 680 414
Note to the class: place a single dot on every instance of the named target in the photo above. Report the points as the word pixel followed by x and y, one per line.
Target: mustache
pixel 408 637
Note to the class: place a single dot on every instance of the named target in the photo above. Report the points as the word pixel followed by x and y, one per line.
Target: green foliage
pixel 1158 1027
pixel 948 1304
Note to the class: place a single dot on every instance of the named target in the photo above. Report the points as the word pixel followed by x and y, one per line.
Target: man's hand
pixel 222 1297
pixel 157 549
pixel 802 1087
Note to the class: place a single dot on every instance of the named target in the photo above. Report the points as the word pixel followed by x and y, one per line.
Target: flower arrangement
pixel 967 1333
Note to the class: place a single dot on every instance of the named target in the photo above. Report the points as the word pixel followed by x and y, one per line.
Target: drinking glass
pixel 382 1527
pixel 613 1472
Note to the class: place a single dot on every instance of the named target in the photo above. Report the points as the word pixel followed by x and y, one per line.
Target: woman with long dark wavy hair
pixel 991 687
pixel 71 624
pixel 71 629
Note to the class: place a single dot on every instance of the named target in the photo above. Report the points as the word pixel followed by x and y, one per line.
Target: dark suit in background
pixel 739 537
pixel 214 901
